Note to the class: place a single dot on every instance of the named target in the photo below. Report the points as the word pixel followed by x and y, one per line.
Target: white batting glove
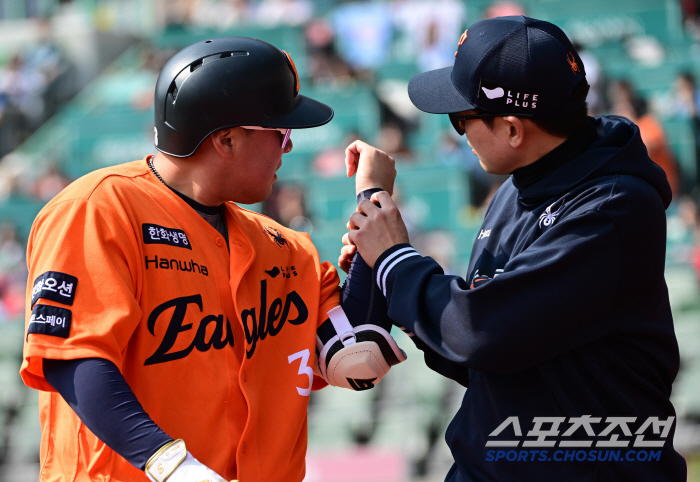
pixel 172 462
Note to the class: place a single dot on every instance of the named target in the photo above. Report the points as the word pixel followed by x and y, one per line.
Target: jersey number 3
pixel 304 369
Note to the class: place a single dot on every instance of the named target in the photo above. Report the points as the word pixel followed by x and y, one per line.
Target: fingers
pixel 350 237
pixel 379 202
pixel 349 249
pixel 344 264
pixel 351 225
pixel 382 198
pixel 356 221
pixel 366 206
pixel 352 156
pixel 346 254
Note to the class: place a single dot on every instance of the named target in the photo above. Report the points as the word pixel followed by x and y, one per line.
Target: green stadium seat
pixel 327 237
pixel 410 397
pixel 107 137
pixel 13 396
pixel 396 70
pixel 356 110
pixel 687 326
pixel 613 19
pixel 118 89
pixel 683 289
pixel 295 165
pixel 287 38
pixel 11 339
pixel 432 195
pixel 681 138
pixel 429 135
pixel 686 390
pixel 21 212
pixel 331 200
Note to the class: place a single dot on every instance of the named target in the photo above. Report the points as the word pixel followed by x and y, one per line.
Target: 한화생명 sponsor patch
pixel 154 234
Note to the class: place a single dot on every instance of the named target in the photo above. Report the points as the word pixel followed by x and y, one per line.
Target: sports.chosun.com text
pixel 573 455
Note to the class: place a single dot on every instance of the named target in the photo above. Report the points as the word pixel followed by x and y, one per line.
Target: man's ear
pixel 224 141
pixel 516 131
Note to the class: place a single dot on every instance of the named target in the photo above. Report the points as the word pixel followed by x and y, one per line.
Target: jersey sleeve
pixel 330 291
pixel 82 287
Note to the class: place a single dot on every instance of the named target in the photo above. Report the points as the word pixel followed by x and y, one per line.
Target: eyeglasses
pixel 455 118
pixel 286 133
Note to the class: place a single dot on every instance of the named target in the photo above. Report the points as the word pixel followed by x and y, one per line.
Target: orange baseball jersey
pixel 217 347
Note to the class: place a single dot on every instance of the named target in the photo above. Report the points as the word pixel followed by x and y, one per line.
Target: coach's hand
pixel 174 463
pixel 375 229
pixel 372 168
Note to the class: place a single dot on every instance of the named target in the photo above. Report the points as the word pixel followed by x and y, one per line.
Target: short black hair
pixel 561 126
pixel 564 126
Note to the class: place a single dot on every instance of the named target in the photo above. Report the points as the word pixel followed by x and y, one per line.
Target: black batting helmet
pixel 227 82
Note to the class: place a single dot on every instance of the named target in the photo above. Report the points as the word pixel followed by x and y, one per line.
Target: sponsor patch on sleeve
pixel 55 286
pixel 50 320
pixel 154 234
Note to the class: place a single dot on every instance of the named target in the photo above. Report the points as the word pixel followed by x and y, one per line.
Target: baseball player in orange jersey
pixel 173 334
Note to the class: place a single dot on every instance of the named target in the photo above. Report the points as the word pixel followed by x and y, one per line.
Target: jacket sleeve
pixel 552 297
pixel 364 303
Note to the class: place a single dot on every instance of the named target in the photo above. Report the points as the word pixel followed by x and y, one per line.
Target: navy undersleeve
pixel 97 392
pixel 361 301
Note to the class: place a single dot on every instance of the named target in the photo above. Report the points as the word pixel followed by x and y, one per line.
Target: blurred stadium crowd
pixel 76 92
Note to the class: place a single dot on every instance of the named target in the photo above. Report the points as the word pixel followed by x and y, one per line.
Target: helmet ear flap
pixel 290 62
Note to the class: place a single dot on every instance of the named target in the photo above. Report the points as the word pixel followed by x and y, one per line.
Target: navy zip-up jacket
pixel 564 314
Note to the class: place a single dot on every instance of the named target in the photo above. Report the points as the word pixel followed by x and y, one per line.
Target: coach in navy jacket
pixel 562 329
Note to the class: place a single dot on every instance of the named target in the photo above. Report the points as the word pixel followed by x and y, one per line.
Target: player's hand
pixel 375 229
pixel 174 463
pixel 347 252
pixel 372 168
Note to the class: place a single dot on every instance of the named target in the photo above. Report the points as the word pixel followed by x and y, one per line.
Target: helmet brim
pixel 307 113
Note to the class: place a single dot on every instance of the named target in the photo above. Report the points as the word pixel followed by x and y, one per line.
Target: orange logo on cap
pixel 461 40
pixel 572 62
pixel 294 69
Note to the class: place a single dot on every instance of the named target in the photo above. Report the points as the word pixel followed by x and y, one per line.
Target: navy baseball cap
pixel 506 65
